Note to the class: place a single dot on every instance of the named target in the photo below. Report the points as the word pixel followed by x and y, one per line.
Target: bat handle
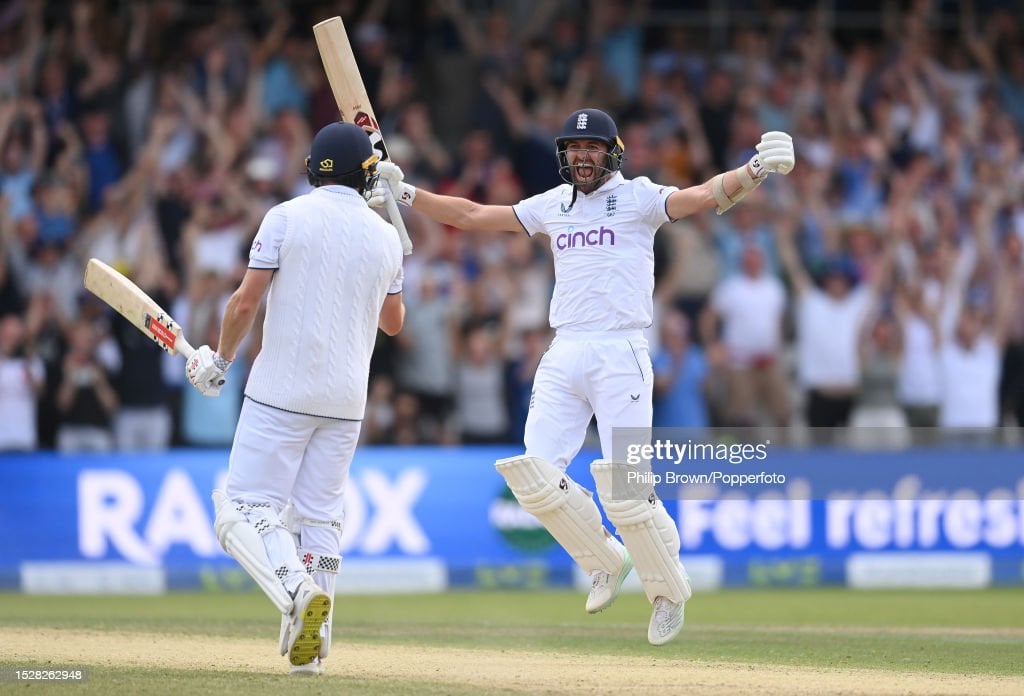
pixel 399 223
pixel 183 347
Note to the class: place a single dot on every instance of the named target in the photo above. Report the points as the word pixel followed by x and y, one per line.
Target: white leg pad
pixel 649 533
pixel 318 542
pixel 324 568
pixel 244 543
pixel 566 509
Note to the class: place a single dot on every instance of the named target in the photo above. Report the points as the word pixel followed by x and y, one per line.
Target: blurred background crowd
pixel 878 286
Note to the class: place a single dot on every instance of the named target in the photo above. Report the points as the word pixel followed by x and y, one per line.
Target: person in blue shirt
pixel 680 372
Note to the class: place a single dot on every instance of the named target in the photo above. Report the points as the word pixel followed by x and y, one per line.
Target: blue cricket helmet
pixel 589 124
pixel 339 150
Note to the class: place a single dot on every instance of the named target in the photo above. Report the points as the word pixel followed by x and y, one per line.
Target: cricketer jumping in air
pixel 601 227
pixel 334 271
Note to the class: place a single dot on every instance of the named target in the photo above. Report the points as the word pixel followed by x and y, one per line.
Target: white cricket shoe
pixel 605 587
pixel 325 635
pixel 286 632
pixel 310 669
pixel 666 621
pixel 312 607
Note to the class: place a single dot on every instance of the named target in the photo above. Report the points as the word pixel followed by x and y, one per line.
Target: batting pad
pixel 244 543
pixel 566 509
pixel 648 532
pixel 317 542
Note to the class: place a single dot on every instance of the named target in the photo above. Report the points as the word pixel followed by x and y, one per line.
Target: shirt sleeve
pixel 652 201
pixel 265 251
pixel 531 213
pixel 396 284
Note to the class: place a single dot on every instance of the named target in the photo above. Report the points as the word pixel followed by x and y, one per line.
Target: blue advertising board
pixel 448 506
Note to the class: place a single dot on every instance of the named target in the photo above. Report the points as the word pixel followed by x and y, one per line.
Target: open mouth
pixel 584 171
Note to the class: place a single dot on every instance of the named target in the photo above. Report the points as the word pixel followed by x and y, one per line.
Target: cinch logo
pixel 571 239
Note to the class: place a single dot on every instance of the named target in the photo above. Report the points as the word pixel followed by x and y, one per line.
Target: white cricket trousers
pixel 583 374
pixel 279 455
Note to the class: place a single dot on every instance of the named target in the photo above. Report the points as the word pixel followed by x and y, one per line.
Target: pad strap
pixel 319 562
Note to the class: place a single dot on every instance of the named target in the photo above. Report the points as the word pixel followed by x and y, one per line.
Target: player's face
pixel 588 159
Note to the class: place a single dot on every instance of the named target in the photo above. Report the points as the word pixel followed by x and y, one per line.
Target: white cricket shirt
pixel 336 261
pixel 603 248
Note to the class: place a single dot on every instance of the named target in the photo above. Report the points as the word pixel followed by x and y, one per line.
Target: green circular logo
pixel 519 528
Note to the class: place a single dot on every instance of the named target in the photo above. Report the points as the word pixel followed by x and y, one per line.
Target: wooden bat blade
pixel 341 67
pixel 136 306
pixel 350 96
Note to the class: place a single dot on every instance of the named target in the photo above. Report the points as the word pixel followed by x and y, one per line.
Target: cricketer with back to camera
pixel 598 363
pixel 334 271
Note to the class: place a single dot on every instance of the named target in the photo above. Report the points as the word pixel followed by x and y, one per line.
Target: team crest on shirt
pixel 609 204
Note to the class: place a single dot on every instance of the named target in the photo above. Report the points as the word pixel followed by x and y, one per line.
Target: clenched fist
pixel 775 151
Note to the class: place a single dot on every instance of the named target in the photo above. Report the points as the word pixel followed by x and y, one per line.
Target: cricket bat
pixel 350 95
pixel 136 306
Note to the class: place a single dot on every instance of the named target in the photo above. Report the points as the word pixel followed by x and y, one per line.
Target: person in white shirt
pixel 751 305
pixel 920 384
pixel 334 271
pixel 601 228
pixel 830 321
pixel 22 378
pixel 970 363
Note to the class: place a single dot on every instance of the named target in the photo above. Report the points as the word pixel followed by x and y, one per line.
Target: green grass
pixel 968 633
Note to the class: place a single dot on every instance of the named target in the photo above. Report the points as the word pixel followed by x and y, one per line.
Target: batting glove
pixel 774 154
pixel 379 195
pixel 205 371
pixel 395 178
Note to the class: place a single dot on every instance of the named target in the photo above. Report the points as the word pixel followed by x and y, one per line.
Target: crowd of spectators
pixel 878 285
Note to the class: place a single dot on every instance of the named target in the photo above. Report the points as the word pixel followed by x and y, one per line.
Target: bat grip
pixel 183 347
pixel 399 223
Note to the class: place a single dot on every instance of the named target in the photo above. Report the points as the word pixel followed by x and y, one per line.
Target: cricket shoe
pixel 311 609
pixel 310 669
pixel 325 635
pixel 605 587
pixel 666 621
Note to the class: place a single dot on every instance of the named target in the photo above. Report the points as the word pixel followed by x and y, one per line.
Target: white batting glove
pixel 774 154
pixel 392 174
pixel 379 194
pixel 205 371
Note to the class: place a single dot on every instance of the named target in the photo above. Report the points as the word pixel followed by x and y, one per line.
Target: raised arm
pixel 1005 304
pixel 723 191
pixel 790 257
pixel 461 213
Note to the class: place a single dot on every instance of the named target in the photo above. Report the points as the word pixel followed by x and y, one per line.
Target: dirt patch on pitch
pixel 507 670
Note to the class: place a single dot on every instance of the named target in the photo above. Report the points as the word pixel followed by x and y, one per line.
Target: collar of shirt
pixel 614 180
pixel 339 189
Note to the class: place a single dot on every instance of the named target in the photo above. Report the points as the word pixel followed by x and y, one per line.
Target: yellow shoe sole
pixel 307 645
